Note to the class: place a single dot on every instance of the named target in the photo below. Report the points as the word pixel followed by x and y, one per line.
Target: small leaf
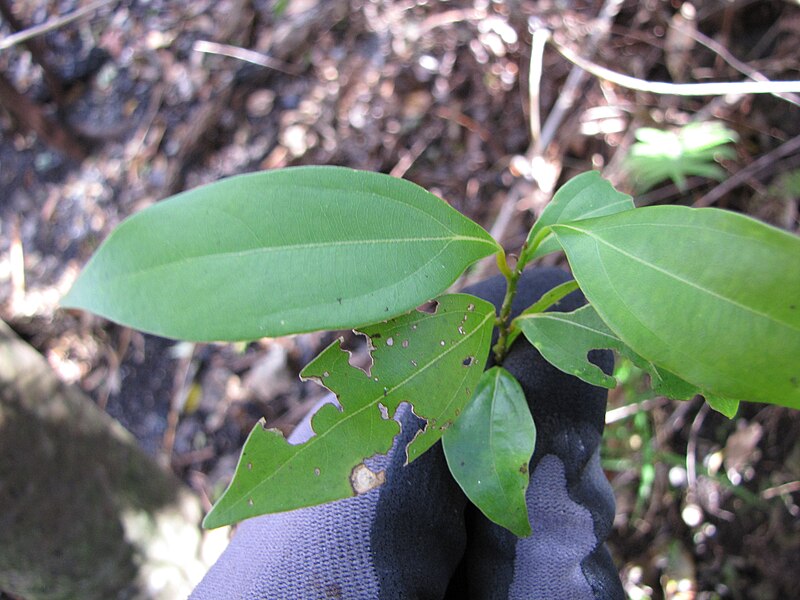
pixel 564 339
pixel 725 406
pixel 711 296
pixel 432 361
pixel 489 448
pixel 279 252
pixel 582 197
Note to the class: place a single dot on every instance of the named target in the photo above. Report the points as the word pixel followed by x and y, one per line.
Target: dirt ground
pixel 138 100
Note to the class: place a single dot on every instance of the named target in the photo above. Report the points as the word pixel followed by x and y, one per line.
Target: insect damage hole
pixel 430 307
pixel 384 410
pixel 362 479
pixel 469 361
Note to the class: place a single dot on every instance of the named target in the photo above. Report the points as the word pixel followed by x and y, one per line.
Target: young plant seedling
pixel 706 301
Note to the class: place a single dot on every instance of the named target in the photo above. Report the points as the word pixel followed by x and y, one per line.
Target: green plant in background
pixel 787 188
pixel 693 149
pixel 705 301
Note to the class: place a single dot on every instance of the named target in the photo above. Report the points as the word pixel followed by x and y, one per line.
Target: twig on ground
pixel 779 490
pixel 538 42
pixel 623 412
pixel 678 89
pixel 51 24
pixel 692 514
pixel 734 62
pixel 31 116
pixel 409 157
pixel 181 387
pixel 738 178
pixel 576 77
pixel 251 56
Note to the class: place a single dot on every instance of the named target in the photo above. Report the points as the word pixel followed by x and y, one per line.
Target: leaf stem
pixel 503 320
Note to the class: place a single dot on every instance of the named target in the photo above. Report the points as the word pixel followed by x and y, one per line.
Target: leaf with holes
pixel 433 361
pixel 279 252
pixel 489 448
pixel 711 296
pixel 582 197
pixel 565 339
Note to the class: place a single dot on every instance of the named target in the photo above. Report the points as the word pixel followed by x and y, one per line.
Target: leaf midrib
pixel 687 282
pixel 264 250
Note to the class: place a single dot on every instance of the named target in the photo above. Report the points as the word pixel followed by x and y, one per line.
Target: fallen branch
pixel 51 24
pixel 719 88
pixel 735 180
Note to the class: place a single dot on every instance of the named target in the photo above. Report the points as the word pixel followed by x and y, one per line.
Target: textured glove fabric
pixel 570 502
pixel 417 537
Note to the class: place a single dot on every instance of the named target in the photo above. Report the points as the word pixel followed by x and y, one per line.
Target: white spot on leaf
pixel 384 411
pixel 362 479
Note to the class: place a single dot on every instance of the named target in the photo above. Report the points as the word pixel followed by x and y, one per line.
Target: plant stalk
pixel 503 322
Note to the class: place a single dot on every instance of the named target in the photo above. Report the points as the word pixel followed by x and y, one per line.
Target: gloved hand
pixel 418 537
pixel 570 502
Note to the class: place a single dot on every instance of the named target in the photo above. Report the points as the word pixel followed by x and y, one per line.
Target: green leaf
pixel 564 340
pixel 582 197
pixel 676 155
pixel 489 448
pixel 725 406
pixel 548 300
pixel 708 295
pixel 279 252
pixel 433 361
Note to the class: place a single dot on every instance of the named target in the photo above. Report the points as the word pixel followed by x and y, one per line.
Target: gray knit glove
pixel 418 537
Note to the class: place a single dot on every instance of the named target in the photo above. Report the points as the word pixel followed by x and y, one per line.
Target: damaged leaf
pixel 489 448
pixel 565 339
pixel 709 295
pixel 423 364
pixel 279 252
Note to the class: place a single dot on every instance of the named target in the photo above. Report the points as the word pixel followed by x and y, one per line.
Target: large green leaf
pixel 489 447
pixel 708 295
pixel 433 361
pixel 279 252
pixel 582 197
